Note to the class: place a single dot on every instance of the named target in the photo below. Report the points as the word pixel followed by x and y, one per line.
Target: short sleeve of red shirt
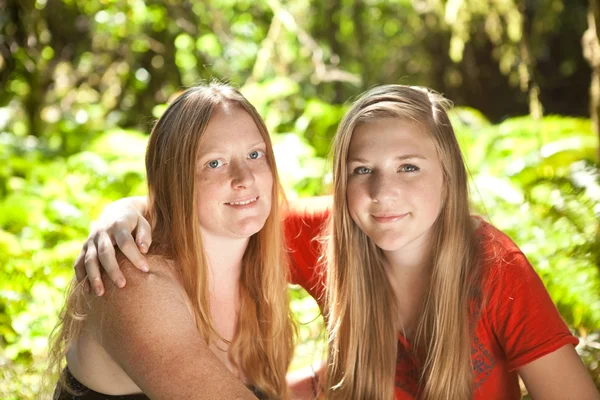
pixel 303 226
pixel 524 318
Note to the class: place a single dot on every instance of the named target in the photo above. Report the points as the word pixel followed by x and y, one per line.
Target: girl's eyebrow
pixel 356 159
pixel 409 156
pixel 398 158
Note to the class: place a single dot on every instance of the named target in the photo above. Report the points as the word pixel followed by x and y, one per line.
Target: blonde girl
pixel 424 300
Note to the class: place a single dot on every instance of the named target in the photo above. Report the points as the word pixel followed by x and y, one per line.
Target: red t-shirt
pixel 518 325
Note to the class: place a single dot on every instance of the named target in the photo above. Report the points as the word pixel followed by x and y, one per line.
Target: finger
pixel 108 260
pixel 130 250
pixel 143 235
pixel 93 270
pixel 79 265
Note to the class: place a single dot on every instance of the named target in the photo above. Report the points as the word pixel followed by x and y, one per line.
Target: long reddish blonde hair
pixel 263 344
pixel 360 302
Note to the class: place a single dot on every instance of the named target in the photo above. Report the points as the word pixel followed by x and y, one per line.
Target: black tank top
pixel 82 392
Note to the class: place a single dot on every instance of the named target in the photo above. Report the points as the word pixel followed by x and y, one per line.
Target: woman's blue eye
pixel 256 154
pixel 362 170
pixel 214 164
pixel 409 168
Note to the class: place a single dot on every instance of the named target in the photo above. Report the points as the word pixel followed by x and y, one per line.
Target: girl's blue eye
pixel 409 168
pixel 256 154
pixel 214 164
pixel 362 170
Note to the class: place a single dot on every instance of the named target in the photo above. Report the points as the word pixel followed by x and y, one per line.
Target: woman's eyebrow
pixel 261 143
pixel 217 150
pixel 211 152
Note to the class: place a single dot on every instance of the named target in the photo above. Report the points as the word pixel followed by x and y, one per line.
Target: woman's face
pixel 395 184
pixel 234 178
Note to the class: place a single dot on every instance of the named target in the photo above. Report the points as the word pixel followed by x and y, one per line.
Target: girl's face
pixel 234 178
pixel 395 184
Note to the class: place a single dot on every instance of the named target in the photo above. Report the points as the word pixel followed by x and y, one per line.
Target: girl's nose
pixel 383 188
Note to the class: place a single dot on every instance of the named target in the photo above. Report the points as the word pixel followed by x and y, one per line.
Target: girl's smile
pixel 388 217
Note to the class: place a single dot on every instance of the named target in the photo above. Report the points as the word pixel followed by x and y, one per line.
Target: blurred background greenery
pixel 82 82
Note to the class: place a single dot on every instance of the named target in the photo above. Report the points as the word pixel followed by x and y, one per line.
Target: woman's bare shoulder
pixel 147 328
pixel 159 291
pixel 162 274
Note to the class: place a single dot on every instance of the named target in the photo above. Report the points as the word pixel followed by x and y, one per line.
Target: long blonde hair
pixel 263 344
pixel 360 302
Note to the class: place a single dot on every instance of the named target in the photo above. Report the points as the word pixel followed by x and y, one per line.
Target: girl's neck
pixel 409 273
pixel 414 258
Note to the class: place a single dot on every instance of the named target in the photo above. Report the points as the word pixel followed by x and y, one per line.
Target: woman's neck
pixel 224 257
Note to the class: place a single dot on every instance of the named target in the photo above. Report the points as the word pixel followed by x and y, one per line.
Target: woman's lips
pixel 243 203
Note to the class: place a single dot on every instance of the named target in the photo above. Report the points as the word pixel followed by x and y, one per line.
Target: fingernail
pixel 144 248
pixel 120 282
pixel 98 291
pixel 145 268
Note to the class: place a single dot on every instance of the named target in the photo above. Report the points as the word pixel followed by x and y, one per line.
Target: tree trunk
pixel 527 66
pixel 333 10
pixel 591 52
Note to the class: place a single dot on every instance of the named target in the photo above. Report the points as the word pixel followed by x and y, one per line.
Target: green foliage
pixel 84 80
pixel 539 181
pixel 46 210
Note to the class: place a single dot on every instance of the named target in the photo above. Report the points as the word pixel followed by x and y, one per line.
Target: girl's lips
pixel 383 218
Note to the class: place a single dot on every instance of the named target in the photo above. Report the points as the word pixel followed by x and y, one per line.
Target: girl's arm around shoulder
pixel 304 222
pixel 559 375
pixel 149 331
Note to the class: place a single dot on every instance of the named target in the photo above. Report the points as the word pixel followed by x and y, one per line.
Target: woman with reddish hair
pixel 212 313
